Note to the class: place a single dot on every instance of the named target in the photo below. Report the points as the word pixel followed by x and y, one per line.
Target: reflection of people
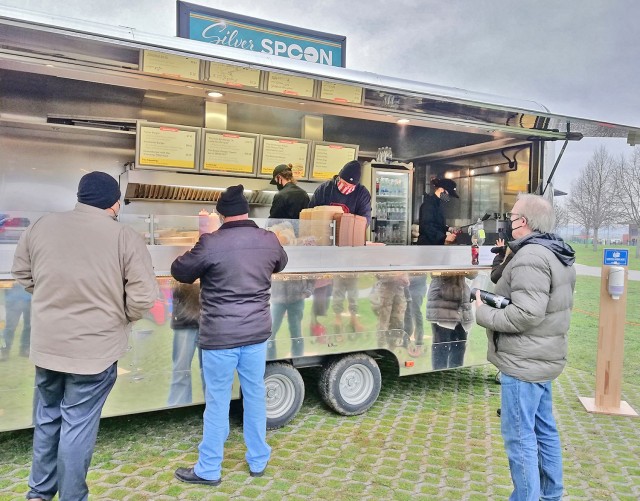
pixel 185 322
pixel 234 265
pixel 17 303
pixel 389 303
pixel 449 310
pixel 320 305
pixel 413 320
pixel 433 226
pixel 528 344
pixel 287 296
pixel 345 190
pixel 290 199
pixel 90 276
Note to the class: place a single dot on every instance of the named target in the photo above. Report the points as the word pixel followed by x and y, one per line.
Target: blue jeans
pixel 67 417
pixel 219 366
pixel 294 311
pixel 185 342
pixel 531 440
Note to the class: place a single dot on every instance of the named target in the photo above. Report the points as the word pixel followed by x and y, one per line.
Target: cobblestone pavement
pixel 433 436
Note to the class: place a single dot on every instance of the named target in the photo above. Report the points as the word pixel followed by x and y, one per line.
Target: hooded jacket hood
pixel 563 251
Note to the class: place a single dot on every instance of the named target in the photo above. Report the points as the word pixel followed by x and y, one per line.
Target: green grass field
pixel 587 256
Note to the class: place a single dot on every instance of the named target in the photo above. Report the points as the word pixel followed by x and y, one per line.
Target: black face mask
pixel 444 196
pixel 509 229
pixel 280 186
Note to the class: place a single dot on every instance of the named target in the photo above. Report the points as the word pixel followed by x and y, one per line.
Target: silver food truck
pixel 178 120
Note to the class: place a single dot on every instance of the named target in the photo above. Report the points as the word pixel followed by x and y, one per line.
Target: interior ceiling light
pixel 403 121
pixel 213 93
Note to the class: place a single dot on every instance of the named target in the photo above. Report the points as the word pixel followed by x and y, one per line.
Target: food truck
pixel 176 121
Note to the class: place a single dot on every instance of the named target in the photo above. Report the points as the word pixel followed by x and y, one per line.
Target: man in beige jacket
pixel 90 277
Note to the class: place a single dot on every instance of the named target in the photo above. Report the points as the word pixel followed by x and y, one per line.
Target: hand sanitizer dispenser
pixel 615 287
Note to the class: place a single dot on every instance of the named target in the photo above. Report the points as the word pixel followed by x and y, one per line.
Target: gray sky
pixel 577 57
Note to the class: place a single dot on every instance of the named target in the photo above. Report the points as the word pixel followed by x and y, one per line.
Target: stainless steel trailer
pixel 74 96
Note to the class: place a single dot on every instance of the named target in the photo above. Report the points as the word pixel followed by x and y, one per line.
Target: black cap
pixel 232 202
pixel 277 171
pixel 449 185
pixel 351 172
pixel 98 189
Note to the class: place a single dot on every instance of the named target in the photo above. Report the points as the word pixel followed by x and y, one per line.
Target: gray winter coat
pixel 528 338
pixel 234 265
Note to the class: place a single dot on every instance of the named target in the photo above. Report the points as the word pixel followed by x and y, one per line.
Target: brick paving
pixel 431 436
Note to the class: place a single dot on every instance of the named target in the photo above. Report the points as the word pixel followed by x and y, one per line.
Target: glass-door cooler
pixel 391 203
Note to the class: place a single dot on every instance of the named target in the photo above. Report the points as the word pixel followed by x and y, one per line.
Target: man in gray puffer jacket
pixel 528 343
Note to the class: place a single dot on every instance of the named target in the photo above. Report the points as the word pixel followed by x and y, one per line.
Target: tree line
pixel 606 192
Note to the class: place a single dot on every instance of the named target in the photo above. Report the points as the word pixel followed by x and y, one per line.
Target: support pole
pixel 610 353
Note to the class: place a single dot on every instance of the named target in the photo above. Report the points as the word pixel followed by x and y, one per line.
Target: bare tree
pixel 627 180
pixel 593 199
pixel 562 214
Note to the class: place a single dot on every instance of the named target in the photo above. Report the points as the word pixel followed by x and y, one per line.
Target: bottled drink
pixel 475 254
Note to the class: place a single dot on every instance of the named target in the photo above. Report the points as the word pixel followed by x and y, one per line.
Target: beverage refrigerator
pixel 390 187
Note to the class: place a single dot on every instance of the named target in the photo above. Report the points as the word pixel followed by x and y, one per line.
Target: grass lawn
pixel 583 336
pixel 587 256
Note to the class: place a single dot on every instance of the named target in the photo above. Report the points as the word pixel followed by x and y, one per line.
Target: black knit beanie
pixel 232 202
pixel 351 172
pixel 98 189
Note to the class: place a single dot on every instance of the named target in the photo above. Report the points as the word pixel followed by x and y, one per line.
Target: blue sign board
pixel 616 257
pixel 248 33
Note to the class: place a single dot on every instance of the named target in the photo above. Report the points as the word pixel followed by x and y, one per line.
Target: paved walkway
pixel 594 271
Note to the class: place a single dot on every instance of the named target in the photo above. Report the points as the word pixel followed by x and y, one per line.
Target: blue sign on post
pixel 248 33
pixel 616 257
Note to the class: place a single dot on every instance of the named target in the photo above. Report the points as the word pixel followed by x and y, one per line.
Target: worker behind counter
pixel 345 190
pixel 287 296
pixel 448 300
pixel 290 199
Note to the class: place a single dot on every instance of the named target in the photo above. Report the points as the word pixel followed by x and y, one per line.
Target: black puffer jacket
pixel 234 265
pixel 288 202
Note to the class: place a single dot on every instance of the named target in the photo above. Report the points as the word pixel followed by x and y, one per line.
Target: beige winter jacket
pixel 90 277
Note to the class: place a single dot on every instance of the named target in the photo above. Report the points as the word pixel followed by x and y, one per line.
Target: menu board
pixel 226 152
pixel 341 93
pixel 167 146
pixel 284 150
pixel 170 65
pixel 234 76
pixel 329 158
pixel 290 85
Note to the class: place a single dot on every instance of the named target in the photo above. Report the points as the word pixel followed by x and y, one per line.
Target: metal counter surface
pixel 328 259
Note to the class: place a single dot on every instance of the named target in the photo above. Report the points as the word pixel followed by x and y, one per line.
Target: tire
pixel 350 385
pixel 285 393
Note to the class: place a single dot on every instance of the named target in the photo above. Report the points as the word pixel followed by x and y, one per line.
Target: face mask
pixel 509 229
pixel 444 196
pixel 280 186
pixel 344 187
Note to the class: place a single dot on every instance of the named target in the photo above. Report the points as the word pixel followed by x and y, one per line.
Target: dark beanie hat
pixel 351 172
pixel 98 189
pixel 232 202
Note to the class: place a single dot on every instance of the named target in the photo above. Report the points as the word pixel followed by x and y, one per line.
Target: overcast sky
pixel 577 57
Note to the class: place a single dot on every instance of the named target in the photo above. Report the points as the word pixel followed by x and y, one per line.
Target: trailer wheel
pixel 285 393
pixel 350 385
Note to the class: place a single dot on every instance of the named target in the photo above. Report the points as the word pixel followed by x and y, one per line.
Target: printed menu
pixel 341 93
pixel 290 85
pixel 167 146
pixel 170 65
pixel 228 152
pixel 235 76
pixel 276 151
pixel 329 158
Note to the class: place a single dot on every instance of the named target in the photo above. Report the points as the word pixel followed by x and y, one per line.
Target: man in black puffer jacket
pixel 234 265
